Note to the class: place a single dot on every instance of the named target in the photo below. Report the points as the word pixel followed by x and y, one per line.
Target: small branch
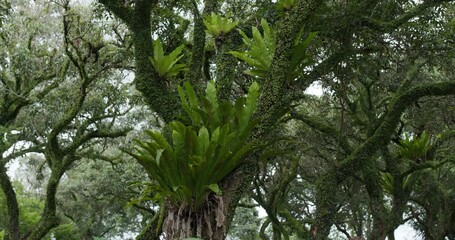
pixel 96 134
pixel 325 128
pixel 16 154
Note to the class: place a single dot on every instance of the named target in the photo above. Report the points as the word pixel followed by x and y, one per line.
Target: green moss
pixel 226 65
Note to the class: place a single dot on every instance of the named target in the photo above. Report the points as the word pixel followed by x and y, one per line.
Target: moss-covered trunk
pixel 12 231
pixel 49 217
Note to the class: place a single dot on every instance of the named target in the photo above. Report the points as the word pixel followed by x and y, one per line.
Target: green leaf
pixel 203 141
pixel 166 65
pixel 191 106
pixel 415 147
pixel 218 26
pixel 300 59
pixel 215 188
pixel 186 168
pixel 387 182
pixel 159 152
pixel 261 50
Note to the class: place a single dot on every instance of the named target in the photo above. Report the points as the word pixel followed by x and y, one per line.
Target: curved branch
pixel 328 185
pixel 399 21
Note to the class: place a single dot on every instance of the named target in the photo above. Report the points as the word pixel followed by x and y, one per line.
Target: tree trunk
pixel 11 202
pixel 49 217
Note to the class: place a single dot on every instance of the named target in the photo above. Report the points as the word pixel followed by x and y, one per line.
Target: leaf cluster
pixel 261 50
pixel 166 65
pixel 388 182
pixel 188 166
pixel 218 26
pixel 415 147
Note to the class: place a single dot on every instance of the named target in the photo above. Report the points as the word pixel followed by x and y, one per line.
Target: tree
pixel 352 159
pixel 52 100
pixel 342 63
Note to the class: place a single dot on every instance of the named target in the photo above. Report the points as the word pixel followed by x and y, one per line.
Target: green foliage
pixel 67 231
pixel 2 234
pixel 166 65
pixel 218 26
pixel 416 147
pixel 300 58
pixel 31 207
pixel 284 5
pixel 188 166
pixel 246 222
pixel 261 50
pixel 387 182
pixel 4 10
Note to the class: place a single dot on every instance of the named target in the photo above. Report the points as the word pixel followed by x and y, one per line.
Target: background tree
pixel 62 96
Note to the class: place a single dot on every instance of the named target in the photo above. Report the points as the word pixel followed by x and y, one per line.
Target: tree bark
pixel 49 217
pixel 11 202
pixel 194 75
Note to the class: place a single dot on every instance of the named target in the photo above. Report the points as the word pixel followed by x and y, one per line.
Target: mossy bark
pixel 196 65
pixel 12 232
pixel 155 90
pixel 49 217
pixel 226 64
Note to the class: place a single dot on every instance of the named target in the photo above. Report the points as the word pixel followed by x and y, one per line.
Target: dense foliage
pixel 259 119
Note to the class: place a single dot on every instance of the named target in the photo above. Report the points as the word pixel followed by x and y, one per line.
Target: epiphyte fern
pixel 218 26
pixel 261 50
pixel 167 66
pixel 388 182
pixel 188 166
pixel 415 148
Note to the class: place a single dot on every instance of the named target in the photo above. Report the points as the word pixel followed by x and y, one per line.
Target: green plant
pixel 218 26
pixel 415 147
pixel 189 165
pixel 388 182
pixel 261 50
pixel 300 58
pixel 166 65
pixel 284 5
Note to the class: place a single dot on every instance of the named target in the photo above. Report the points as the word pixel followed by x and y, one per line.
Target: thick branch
pixel 276 87
pixel 92 135
pixel 399 21
pixel 119 9
pixel 198 49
